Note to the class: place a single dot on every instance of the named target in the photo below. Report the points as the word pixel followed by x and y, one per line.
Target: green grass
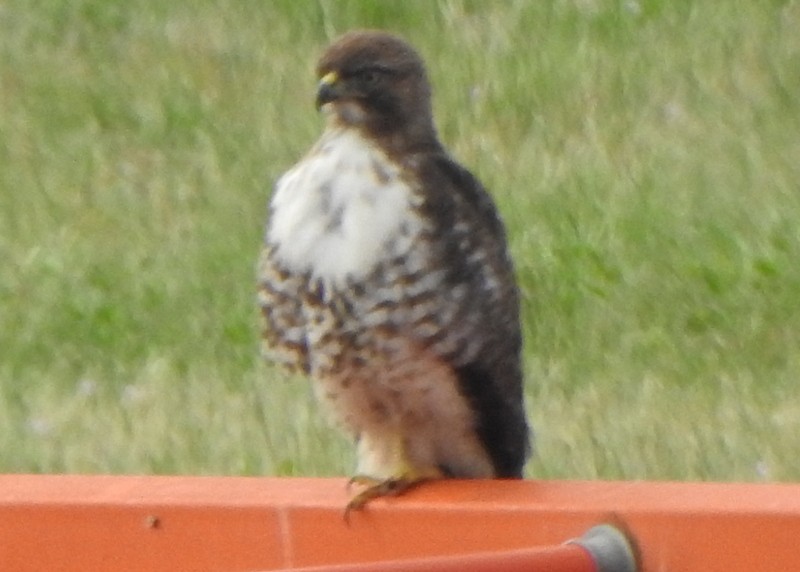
pixel 645 156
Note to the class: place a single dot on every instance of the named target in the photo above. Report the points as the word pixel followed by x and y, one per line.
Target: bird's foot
pixel 377 488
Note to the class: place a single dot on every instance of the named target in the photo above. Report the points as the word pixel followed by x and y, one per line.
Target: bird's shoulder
pixel 453 193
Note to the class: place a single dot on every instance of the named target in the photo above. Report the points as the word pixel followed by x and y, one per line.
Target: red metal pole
pixel 566 558
pixel 603 548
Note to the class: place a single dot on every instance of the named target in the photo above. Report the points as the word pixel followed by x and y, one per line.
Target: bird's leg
pixel 403 474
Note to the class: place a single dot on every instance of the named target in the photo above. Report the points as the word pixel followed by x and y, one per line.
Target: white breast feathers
pixel 336 212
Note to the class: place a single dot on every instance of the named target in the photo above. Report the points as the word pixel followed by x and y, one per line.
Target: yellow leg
pixel 384 453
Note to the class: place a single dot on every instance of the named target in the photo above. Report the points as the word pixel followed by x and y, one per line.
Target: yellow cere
pixel 329 78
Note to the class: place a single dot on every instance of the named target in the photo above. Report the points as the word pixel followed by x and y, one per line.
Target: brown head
pixel 376 82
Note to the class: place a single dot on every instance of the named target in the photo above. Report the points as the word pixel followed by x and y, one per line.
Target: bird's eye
pixel 370 77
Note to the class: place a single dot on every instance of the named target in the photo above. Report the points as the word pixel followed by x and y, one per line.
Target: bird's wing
pixel 469 241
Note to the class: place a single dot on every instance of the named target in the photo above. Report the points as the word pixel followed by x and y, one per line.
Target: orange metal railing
pixel 129 523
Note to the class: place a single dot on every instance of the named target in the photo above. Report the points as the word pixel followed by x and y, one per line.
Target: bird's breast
pixel 337 212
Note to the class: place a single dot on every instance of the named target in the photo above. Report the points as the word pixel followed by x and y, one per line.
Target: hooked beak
pixel 328 89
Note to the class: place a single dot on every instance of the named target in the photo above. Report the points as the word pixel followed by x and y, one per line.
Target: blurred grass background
pixel 644 153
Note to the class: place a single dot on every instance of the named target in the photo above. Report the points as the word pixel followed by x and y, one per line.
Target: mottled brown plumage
pixel 385 277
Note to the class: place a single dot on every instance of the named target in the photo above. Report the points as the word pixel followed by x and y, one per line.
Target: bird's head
pixel 375 81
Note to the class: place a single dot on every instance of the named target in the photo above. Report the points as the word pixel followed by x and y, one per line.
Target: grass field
pixel 645 155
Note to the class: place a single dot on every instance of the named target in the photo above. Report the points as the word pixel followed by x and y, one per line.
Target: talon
pixel 365 480
pixel 390 487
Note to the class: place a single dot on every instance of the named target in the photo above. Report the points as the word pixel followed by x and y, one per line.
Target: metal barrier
pixel 210 524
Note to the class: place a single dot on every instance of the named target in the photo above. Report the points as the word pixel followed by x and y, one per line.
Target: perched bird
pixel 386 278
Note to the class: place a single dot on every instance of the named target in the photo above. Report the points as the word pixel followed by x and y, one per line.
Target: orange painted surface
pixel 79 523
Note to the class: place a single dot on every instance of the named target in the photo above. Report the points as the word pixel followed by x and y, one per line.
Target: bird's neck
pixel 397 137
pixel 408 142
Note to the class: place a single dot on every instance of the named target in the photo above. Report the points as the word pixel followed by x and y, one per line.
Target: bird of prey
pixel 386 278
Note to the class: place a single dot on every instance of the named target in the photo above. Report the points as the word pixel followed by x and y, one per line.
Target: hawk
pixel 386 278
